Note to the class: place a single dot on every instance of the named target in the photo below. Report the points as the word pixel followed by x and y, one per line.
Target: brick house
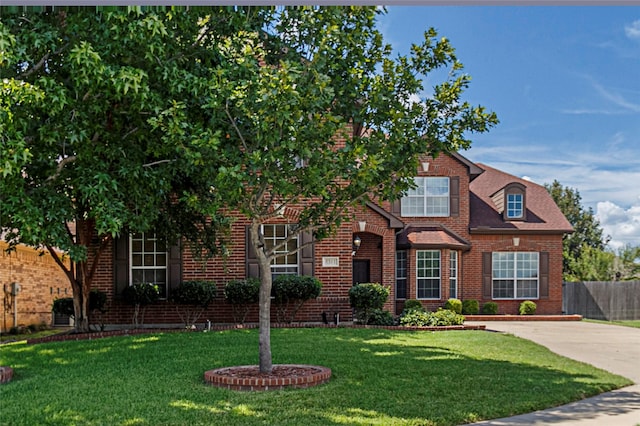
pixel 467 231
pixel 39 282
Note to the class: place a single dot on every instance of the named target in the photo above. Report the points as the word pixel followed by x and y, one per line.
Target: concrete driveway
pixel 609 347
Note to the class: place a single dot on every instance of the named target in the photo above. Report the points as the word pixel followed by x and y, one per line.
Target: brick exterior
pixel 41 281
pixel 377 228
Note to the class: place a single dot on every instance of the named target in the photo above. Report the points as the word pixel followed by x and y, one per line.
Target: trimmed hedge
pixel 365 298
pixel 241 294
pixel 470 307
pixel 290 292
pixel 192 298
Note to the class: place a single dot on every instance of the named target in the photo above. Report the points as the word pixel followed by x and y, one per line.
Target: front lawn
pixel 380 377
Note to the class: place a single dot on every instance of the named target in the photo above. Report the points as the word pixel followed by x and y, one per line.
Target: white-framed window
pixel 285 261
pixel 428 274
pixel 148 261
pixel 453 274
pixel 515 275
pixel 515 206
pixel 430 198
pixel 401 274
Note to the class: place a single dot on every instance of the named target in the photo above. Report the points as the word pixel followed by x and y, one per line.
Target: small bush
pixel 380 317
pixel 470 307
pixel 367 297
pixel 490 308
pixel 140 295
pixel 290 292
pixel 415 318
pixel 410 304
pixel 242 294
pixel 192 298
pixel 527 308
pixel 442 317
pixel 454 305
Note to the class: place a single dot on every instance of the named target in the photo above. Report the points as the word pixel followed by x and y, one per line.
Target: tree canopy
pixel 126 120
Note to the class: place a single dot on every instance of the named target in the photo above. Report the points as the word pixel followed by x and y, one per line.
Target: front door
pixel 361 271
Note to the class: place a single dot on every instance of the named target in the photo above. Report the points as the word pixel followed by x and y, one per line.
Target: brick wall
pixel 471 277
pixel 41 281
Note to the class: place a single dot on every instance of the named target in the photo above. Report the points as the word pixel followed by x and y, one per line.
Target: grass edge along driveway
pixel 380 377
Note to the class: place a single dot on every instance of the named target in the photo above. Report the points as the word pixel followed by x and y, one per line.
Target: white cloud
pixel 623 225
pixel 633 30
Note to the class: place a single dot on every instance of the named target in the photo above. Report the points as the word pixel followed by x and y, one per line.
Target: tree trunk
pixel 264 302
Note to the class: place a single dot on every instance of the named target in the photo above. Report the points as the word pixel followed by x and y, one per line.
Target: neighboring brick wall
pixel 41 281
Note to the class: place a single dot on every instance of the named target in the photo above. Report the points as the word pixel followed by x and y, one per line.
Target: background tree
pixel 318 117
pixel 81 157
pixel 587 231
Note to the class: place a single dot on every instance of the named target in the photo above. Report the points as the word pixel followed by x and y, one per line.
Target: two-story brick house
pixel 467 231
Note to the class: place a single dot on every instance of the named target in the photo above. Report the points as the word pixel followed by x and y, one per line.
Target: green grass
pixel 626 323
pixel 380 377
pixel 7 337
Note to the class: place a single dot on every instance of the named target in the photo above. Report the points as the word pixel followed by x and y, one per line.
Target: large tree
pixel 319 117
pixel 258 110
pixel 586 229
pixel 82 158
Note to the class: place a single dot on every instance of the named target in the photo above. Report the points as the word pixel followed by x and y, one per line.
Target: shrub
pixel 192 298
pixel 140 295
pixel 380 317
pixel 442 317
pixel 242 294
pixel 415 318
pixel 490 308
pixel 290 292
pixel 470 307
pixel 364 298
pixel 454 305
pixel 527 308
pixel 411 304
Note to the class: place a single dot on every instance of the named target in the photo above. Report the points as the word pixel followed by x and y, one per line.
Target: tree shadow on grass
pixel 379 377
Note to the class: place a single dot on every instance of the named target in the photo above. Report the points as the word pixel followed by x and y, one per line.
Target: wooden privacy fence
pixel 608 300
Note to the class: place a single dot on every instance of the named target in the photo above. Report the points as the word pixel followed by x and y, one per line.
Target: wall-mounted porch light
pixel 356 245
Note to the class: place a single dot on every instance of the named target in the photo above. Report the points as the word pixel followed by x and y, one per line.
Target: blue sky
pixel 565 84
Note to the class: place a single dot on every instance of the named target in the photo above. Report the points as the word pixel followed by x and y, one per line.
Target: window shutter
pixel 121 263
pixel 454 196
pixel 544 275
pixel 252 269
pixel 175 266
pixel 306 254
pixel 486 275
pixel 396 207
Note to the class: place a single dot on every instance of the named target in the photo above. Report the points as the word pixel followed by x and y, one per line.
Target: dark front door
pixel 361 271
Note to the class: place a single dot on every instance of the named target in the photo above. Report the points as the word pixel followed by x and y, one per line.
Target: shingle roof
pixel 543 215
pixel 431 237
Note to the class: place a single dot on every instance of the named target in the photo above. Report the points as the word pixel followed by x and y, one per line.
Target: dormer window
pixel 515 206
pixel 511 201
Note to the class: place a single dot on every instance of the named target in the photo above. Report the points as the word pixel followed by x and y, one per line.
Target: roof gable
pixel 542 213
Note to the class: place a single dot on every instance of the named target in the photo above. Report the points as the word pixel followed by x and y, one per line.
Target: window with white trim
pixel 428 274
pixel 285 261
pixel 515 206
pixel 515 275
pixel 148 261
pixel 401 274
pixel 453 274
pixel 430 198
